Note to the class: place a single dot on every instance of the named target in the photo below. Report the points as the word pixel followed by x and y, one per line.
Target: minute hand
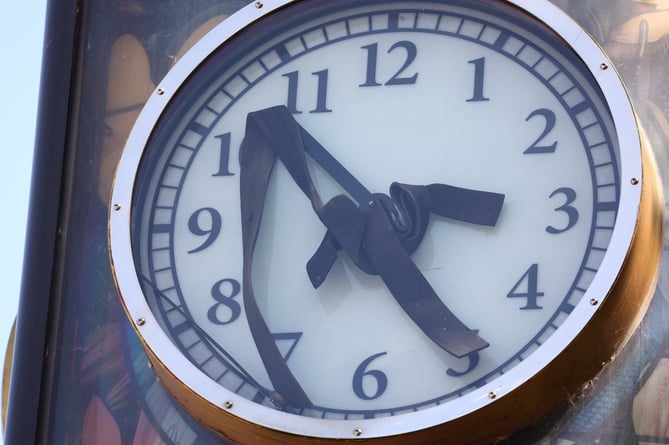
pixel 334 168
pixel 371 234
pixel 370 239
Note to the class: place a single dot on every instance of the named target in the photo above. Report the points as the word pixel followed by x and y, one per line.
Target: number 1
pixel 479 76
pixel 224 160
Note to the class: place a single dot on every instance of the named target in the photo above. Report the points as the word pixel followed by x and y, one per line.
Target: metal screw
pixel 117 207
pixel 357 432
pixel 594 301
pixel 635 181
pixel 492 395
pixel 160 91
pixel 259 5
pixel 228 405
pixel 604 66
pixel 141 321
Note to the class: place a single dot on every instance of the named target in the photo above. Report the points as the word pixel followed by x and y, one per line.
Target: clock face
pixel 359 210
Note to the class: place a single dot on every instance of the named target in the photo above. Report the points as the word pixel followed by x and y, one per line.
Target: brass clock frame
pixel 614 315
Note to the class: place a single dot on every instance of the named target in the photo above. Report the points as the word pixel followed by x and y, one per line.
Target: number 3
pixel 567 208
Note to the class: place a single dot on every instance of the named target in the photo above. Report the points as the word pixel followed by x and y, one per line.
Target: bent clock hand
pixel 412 291
pixel 257 162
pixel 408 209
pixel 372 234
pixel 414 204
pixel 365 232
pixel 473 206
pixel 332 166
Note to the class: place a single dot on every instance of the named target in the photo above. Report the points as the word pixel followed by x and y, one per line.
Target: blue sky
pixel 21 35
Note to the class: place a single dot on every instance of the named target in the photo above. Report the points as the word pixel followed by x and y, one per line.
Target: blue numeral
pixel 479 77
pixel 378 376
pixel 527 287
pixel 398 78
pixel 225 300
pixel 567 208
pixel 321 92
pixel 549 123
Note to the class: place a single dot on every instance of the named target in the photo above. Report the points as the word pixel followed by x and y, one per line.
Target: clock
pixel 385 221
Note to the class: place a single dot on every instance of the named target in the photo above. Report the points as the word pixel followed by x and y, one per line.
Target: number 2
pixel 549 119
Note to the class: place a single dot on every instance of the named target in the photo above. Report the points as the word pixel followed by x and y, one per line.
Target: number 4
pixel 526 287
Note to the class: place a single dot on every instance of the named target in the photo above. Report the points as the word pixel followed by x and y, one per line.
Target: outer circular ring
pixel 514 399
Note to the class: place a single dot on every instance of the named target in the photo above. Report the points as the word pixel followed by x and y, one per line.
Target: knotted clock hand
pixel 379 233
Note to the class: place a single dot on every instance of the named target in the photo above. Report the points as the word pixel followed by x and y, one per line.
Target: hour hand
pixel 409 211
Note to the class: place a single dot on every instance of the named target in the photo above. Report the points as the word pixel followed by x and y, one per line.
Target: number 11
pixel 321 93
